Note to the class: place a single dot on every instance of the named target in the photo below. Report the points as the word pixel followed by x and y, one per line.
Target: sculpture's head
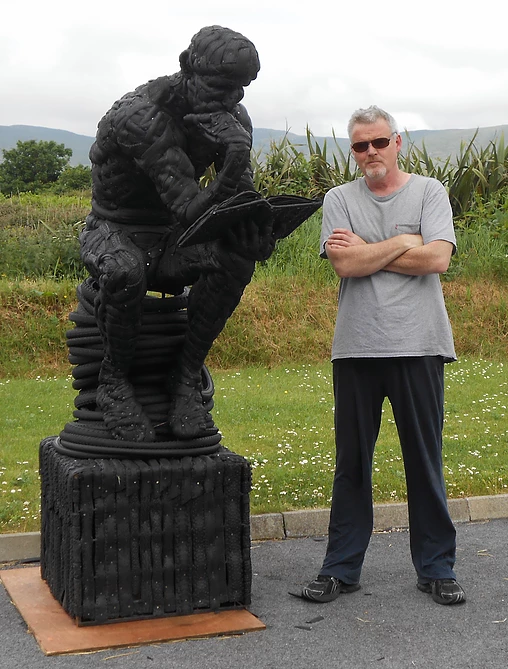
pixel 217 65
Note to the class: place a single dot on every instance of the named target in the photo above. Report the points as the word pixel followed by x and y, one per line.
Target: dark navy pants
pixel 415 389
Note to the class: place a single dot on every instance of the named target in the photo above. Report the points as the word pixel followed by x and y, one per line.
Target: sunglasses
pixel 379 143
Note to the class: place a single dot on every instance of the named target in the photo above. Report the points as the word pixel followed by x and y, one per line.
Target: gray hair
pixel 371 115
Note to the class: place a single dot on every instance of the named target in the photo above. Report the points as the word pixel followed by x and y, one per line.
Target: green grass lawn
pixel 281 419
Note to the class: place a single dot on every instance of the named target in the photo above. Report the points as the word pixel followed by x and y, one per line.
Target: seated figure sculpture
pixel 151 149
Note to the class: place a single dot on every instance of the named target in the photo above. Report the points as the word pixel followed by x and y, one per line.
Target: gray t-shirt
pixel 388 314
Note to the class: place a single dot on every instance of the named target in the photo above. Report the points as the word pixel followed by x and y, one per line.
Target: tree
pixel 32 165
pixel 74 178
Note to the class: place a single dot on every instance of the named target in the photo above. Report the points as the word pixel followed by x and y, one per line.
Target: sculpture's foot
pixel 187 417
pixel 123 415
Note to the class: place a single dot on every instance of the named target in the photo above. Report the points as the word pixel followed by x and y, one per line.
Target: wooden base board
pixel 57 634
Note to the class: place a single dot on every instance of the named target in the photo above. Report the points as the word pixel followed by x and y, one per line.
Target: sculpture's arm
pixel 246 181
pixel 170 168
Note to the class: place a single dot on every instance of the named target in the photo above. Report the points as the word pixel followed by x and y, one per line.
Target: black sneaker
pixel 444 591
pixel 326 589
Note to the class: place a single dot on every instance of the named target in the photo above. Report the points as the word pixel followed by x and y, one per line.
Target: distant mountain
pixel 444 143
pixel 261 138
pixel 439 143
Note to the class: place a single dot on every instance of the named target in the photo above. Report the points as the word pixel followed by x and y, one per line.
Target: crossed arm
pixel 351 256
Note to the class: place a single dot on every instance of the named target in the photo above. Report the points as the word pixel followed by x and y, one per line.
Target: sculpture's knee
pixel 119 304
pixel 122 276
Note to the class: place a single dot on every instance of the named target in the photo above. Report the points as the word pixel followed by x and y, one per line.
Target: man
pixel 151 150
pixel 388 236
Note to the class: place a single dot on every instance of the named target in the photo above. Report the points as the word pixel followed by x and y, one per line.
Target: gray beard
pixel 375 172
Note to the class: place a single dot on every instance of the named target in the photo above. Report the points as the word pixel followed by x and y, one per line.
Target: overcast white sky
pixel 437 64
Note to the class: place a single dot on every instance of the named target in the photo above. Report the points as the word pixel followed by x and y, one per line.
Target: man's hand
pixel 351 256
pixel 341 237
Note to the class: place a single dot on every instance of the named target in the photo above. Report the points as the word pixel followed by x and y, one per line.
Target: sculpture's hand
pixel 221 129
pixel 252 238
pixel 230 139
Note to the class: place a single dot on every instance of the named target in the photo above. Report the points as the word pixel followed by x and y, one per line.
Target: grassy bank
pixel 280 319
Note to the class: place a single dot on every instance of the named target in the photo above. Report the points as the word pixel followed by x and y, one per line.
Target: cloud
pixel 64 65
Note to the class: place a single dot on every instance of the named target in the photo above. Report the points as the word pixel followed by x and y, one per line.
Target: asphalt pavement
pixel 386 624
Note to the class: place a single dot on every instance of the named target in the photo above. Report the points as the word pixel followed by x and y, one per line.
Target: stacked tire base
pixel 162 330
pixel 125 539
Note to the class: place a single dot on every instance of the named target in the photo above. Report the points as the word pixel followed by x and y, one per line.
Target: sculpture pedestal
pixel 130 539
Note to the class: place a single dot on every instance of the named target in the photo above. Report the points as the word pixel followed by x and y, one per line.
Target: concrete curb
pixel 21 546
pixel 314 522
pixel 294 524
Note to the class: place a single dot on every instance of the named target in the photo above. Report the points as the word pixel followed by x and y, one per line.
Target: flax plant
pixel 326 174
pixel 473 174
pixel 284 169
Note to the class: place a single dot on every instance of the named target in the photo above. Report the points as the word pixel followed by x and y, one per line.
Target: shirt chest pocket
pixel 408 228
